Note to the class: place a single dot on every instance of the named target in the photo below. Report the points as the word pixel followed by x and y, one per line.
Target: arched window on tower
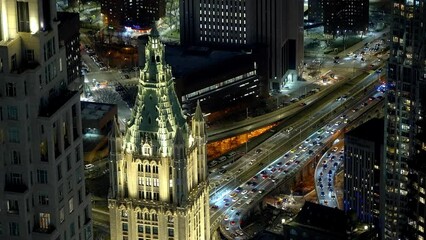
pixel 146 150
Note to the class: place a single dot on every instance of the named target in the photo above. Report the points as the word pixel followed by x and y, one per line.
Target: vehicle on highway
pixel 89 166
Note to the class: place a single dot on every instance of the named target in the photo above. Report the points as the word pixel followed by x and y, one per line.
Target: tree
pixel 106 95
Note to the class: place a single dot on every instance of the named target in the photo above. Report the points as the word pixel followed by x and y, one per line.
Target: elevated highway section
pixel 275 155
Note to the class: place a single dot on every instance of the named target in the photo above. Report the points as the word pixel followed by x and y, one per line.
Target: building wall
pixel 345 16
pixel 315 10
pixel 273 28
pixel 130 13
pixel 69 36
pixel 403 111
pixel 361 188
pixel 43 193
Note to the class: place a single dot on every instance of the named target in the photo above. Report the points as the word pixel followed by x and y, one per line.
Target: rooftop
pixel 321 218
pixel 372 130
pixel 94 111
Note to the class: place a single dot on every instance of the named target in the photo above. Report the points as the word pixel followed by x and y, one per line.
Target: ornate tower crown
pixel 157 112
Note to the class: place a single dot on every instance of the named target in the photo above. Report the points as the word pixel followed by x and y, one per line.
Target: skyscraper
pixel 404 113
pixel 345 16
pixel 133 14
pixel 43 193
pixel 274 28
pixel 159 185
pixel 363 154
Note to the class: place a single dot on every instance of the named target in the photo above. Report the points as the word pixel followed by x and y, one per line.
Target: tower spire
pixel 198 115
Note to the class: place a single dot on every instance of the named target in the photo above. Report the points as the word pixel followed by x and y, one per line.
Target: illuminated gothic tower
pixel 159 185
pixel 42 187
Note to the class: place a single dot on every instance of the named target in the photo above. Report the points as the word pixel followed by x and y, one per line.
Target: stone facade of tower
pixel 159 166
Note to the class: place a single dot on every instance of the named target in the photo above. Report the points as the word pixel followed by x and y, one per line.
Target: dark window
pixel 11 89
pixel 23 17
pixel 30 55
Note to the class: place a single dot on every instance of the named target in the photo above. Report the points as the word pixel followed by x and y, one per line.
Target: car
pixel 222 171
pixel 231 154
pixel 232 208
pixel 322 194
pixel 321 186
pixel 232 223
pixel 89 166
pixel 234 194
pixel 244 192
pixel 214 207
pixel 334 149
pixel 330 172
pixel 238 189
pixel 249 201
pixel 227 228
pixel 258 150
pixel 223 158
pixel 238 213
pixel 226 218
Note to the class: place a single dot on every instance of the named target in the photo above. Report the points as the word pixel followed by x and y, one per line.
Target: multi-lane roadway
pixel 232 195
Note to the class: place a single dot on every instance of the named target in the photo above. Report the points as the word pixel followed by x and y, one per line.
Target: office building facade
pixel 274 29
pixel 404 114
pixel 345 17
pixel 159 187
pixel 43 193
pixel 363 154
pixel 315 11
pixel 69 36
pixel 133 14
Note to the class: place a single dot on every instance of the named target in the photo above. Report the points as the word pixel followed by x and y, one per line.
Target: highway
pixel 236 191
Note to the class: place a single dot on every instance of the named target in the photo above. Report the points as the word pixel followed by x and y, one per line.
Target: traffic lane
pixel 294 168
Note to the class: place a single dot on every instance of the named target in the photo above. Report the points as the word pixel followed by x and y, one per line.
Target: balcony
pixel 55 102
pixel 15 187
